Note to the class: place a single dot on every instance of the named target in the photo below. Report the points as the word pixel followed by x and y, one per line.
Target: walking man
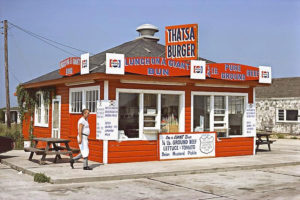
pixel 82 138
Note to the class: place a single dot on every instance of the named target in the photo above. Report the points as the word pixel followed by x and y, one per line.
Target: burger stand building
pixel 151 102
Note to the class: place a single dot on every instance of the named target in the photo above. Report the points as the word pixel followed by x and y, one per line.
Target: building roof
pixel 140 47
pixel 280 87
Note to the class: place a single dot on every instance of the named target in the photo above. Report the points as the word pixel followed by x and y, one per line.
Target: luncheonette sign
pixel 107 120
pixel 114 63
pixel 193 145
pixel 250 120
pixel 69 66
pixel 265 75
pixel 156 66
pixel 182 42
pixel 198 69
pixel 85 64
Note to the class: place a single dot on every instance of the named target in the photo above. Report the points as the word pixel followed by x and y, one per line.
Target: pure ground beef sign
pixel 180 146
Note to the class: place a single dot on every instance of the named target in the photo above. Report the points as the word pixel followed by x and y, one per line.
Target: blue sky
pixel 247 32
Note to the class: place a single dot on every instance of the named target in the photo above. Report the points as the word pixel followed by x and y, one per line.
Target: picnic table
pixel 263 138
pixel 52 148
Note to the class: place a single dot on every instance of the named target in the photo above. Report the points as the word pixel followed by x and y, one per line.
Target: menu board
pixel 107 120
pixel 179 146
pixel 251 120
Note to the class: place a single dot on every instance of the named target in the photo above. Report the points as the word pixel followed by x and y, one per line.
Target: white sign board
pixel 177 146
pixel 85 63
pixel 250 120
pixel 265 74
pixel 198 69
pixel 115 63
pixel 107 120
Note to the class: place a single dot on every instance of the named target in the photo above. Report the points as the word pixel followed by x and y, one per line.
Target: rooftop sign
pixel 196 69
pixel 232 72
pixel 69 66
pixel 182 42
pixel 85 64
pixel 156 66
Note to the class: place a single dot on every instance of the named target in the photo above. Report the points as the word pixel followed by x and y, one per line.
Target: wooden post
pixel 8 121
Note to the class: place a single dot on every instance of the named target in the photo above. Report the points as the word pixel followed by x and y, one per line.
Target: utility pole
pixel 8 122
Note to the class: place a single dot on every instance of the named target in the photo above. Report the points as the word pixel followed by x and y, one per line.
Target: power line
pixel 49 43
pixel 44 39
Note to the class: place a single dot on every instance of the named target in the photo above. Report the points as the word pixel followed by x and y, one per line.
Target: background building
pixel 278 106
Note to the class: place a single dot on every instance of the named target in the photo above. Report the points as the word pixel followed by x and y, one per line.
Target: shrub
pixel 280 136
pixel 41 178
pixel 294 137
pixel 14 133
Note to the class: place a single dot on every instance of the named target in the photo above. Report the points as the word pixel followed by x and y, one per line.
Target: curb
pixel 18 168
pixel 148 175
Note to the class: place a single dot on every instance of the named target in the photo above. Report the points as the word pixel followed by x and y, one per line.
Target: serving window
pixel 148 112
pixel 220 112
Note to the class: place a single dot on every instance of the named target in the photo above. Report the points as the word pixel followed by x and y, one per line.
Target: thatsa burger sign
pixel 182 42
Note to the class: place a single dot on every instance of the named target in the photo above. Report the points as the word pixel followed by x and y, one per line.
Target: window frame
pixel 43 109
pixel 83 90
pixel 141 93
pixel 212 109
pixel 284 116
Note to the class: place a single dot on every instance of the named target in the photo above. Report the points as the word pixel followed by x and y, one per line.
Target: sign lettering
pixel 176 146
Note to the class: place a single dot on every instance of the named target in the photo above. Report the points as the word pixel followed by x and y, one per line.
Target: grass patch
pixel 14 133
pixel 280 136
pixel 41 178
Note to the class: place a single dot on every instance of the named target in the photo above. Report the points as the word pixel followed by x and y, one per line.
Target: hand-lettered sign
pixel 156 66
pixel 69 66
pixel 182 42
pixel 232 72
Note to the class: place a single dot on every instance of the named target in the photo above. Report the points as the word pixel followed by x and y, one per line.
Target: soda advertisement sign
pixel 85 63
pixel 187 145
pixel 265 75
pixel 114 63
pixel 182 42
pixel 198 69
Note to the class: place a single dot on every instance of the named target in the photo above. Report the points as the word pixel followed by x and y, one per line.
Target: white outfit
pixel 84 146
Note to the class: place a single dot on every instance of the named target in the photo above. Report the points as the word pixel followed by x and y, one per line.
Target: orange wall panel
pixel 234 146
pixel 132 151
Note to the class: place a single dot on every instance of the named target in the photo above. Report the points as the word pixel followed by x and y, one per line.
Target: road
pixel 269 183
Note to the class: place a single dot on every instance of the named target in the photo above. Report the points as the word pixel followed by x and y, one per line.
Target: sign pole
pixel 105 141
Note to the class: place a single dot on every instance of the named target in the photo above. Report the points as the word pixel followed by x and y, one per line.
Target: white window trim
pixel 212 94
pixel 284 116
pixel 83 90
pixel 42 124
pixel 141 93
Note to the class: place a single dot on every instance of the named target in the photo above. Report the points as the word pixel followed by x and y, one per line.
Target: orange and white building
pixel 150 101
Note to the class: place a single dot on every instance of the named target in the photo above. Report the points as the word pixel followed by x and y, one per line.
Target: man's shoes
pixel 87 168
pixel 72 163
